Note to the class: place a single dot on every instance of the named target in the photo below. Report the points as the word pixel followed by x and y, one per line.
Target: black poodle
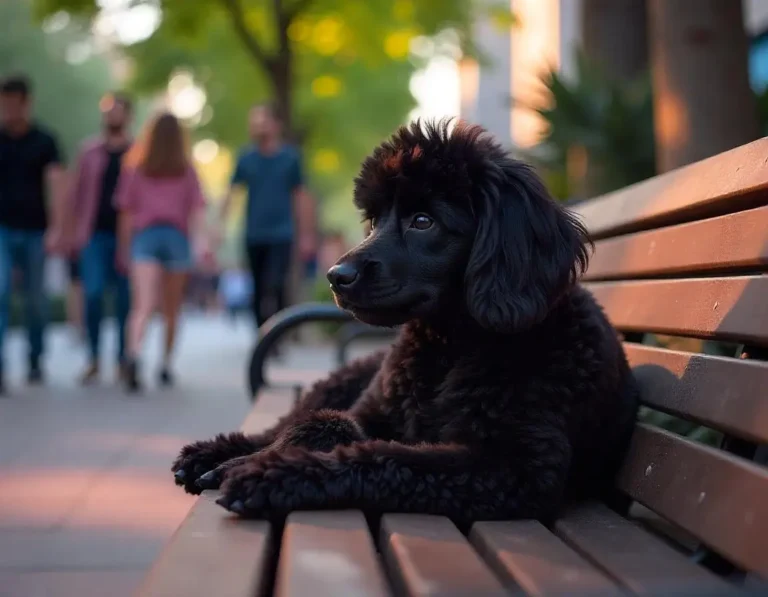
pixel 506 393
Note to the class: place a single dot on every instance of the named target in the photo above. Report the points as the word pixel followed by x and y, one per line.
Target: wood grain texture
pixel 725 183
pixel 327 554
pixel 722 308
pixel 732 243
pixel 213 552
pixel 637 560
pixel 428 556
pixel 719 498
pixel 722 393
pixel 529 557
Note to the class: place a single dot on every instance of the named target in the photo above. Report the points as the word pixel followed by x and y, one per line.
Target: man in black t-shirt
pixel 94 238
pixel 30 163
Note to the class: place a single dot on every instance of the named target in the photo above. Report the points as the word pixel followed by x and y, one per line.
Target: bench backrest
pixel 685 255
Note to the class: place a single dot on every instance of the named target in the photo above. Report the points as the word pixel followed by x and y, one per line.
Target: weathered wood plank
pixel 529 557
pixel 722 308
pixel 725 183
pixel 639 561
pixel 718 392
pixel 212 552
pixel 717 497
pixel 428 556
pixel 732 243
pixel 327 554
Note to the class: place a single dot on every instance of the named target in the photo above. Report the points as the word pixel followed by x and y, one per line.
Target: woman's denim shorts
pixel 164 245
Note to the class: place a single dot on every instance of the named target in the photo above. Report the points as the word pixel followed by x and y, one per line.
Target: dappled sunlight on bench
pixel 696 190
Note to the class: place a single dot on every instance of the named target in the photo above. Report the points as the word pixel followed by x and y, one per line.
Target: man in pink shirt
pixel 94 229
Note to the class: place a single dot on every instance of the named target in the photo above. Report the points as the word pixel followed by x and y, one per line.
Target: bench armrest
pixel 278 326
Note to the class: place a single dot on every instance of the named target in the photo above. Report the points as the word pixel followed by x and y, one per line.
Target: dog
pixel 506 393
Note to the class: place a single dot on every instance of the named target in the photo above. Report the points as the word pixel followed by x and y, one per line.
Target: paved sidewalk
pixel 86 496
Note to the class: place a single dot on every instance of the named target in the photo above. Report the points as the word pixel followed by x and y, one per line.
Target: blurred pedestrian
pixel 30 167
pixel 75 305
pixel 270 169
pixel 94 232
pixel 161 207
pixel 236 290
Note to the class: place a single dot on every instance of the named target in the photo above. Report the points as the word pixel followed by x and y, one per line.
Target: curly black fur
pixel 505 394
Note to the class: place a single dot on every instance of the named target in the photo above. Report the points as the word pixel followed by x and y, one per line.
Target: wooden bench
pixel 684 255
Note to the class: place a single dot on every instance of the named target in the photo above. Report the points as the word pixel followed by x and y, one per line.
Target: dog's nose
pixel 342 275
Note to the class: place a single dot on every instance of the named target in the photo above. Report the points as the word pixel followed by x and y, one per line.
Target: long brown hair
pixel 162 149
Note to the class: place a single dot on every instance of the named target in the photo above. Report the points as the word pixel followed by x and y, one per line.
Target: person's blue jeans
pixel 99 272
pixel 25 250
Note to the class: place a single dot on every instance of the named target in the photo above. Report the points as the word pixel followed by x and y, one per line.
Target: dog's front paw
pixel 213 478
pixel 275 483
pixel 321 431
pixel 245 491
pixel 198 458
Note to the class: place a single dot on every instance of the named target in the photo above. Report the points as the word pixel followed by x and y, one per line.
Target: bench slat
pixel 639 561
pixel 272 404
pixel 735 242
pixel 724 183
pixel 718 392
pixel 328 554
pixel 527 555
pixel 719 498
pixel 723 308
pixel 427 555
pixel 212 553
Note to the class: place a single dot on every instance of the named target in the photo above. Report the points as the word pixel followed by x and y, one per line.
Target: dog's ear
pixel 528 250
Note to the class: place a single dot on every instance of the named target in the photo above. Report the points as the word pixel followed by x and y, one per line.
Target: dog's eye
pixel 421 222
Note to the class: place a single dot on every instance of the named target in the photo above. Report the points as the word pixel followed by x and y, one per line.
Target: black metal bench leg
pixel 277 326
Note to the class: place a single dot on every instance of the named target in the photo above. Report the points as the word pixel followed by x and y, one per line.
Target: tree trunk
pixel 615 36
pixel 278 66
pixel 282 71
pixel 703 103
pixel 281 84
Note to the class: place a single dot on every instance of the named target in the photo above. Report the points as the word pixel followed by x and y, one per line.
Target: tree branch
pixel 297 8
pixel 284 16
pixel 282 22
pixel 237 16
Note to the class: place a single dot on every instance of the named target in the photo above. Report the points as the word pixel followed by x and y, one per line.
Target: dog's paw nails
pixel 210 480
pixel 236 506
pixel 255 502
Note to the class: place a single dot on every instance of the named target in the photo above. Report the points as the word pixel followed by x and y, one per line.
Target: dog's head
pixel 457 226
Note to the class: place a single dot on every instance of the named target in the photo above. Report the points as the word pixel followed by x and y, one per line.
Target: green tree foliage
pixel 603 125
pixel 68 78
pixel 339 70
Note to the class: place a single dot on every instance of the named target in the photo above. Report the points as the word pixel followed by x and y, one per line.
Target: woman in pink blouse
pixel 161 205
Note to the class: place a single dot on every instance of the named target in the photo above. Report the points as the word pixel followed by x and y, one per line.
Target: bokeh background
pixel 571 84
pixel 599 94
